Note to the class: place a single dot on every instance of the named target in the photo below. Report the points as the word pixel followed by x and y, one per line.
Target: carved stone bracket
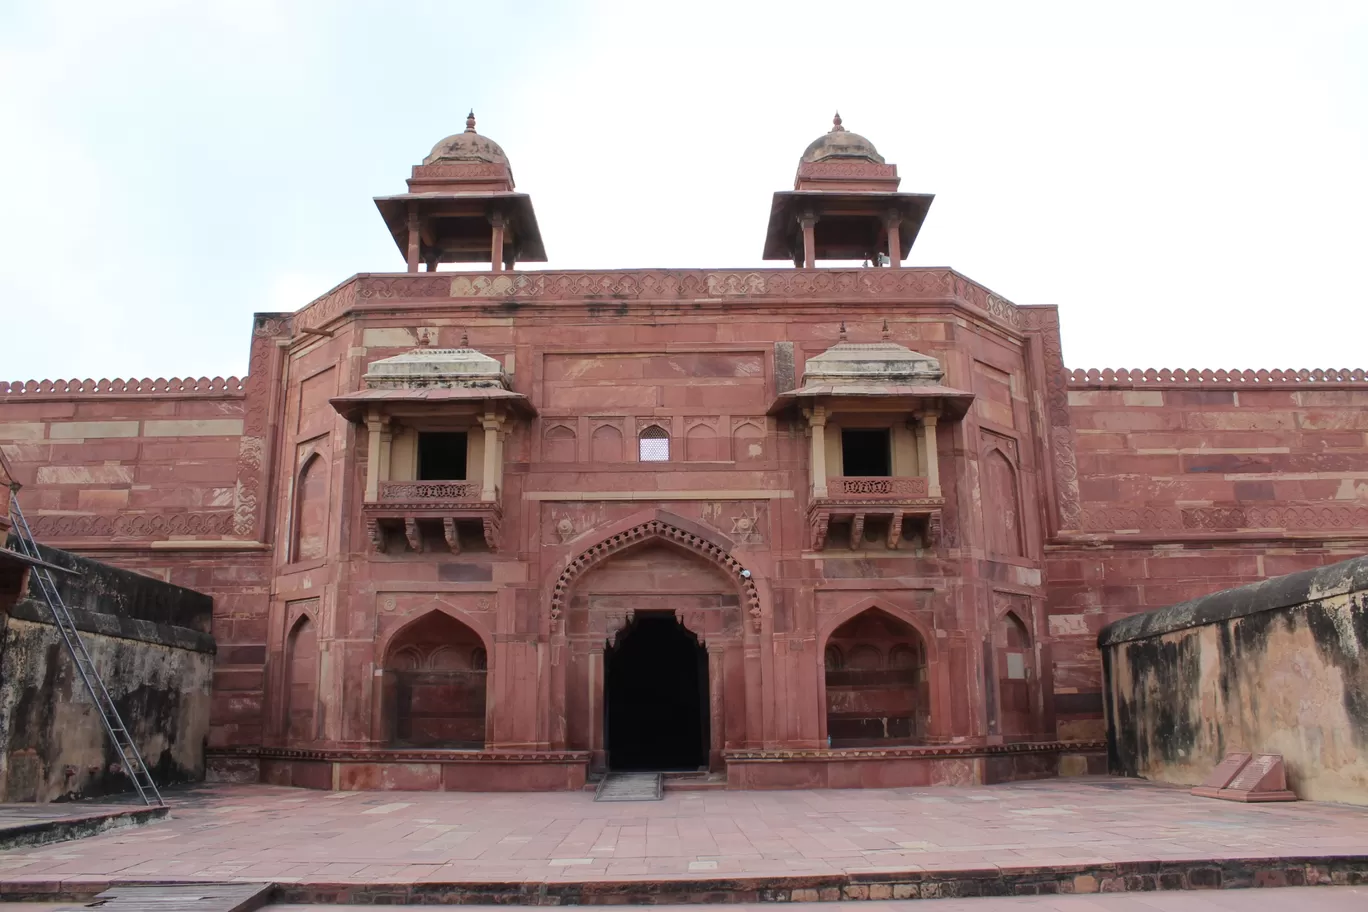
pixel 895 530
pixel 820 522
pixel 491 532
pixel 453 540
pixel 415 540
pixel 375 534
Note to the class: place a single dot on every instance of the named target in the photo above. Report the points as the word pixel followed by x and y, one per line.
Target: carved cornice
pixel 914 752
pixel 655 529
pixel 1214 379
pixel 391 755
pixel 894 285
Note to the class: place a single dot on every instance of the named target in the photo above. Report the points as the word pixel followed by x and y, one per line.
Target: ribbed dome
pixel 467 147
pixel 841 143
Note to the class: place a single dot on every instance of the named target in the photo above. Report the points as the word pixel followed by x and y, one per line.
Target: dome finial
pixel 836 124
pixel 470 121
pixel 885 331
pixel 843 331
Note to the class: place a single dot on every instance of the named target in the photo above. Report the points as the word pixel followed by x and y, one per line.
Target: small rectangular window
pixel 866 453
pixel 442 456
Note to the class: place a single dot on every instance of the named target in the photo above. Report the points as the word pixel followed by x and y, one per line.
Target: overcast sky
pixel 1187 181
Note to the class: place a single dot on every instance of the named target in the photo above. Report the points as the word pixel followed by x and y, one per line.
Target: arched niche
pixel 310 538
pixel 301 681
pixel 434 681
pixel 700 444
pixel 1002 505
pixel 1016 674
pixel 559 444
pixel 879 693
pixel 748 443
pixel 605 444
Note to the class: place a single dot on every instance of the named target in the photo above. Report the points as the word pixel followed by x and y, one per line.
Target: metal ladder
pixel 130 759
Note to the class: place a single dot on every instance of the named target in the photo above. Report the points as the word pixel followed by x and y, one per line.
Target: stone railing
pixel 856 486
pixel 1185 378
pixel 437 491
pixel 176 386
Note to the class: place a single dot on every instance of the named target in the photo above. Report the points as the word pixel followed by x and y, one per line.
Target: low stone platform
pixel 38 824
pixel 1054 836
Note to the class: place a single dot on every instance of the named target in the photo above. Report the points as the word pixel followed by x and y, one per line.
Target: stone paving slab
pixel 359 846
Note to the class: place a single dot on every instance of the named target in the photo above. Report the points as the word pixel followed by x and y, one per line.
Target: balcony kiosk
pixel 453 393
pixel 858 397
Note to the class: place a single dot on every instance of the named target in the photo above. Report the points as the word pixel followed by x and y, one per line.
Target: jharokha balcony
pixel 888 505
pixel 421 510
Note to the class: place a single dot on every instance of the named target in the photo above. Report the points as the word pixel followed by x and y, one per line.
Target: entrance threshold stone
pixel 629 787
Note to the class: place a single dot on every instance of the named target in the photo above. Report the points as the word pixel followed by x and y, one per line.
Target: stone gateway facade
pixel 812 525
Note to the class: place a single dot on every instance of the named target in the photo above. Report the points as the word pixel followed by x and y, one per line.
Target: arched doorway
pixel 656 688
pixel 876 682
pixel 434 685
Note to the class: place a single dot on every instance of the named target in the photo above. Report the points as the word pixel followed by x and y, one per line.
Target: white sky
pixel 1187 181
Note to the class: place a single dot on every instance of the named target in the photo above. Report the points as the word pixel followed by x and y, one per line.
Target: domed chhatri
pixel 467 146
pixel 461 208
pixel 839 142
pixel 844 205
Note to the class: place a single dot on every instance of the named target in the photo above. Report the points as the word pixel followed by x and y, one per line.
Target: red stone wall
pixel 1189 484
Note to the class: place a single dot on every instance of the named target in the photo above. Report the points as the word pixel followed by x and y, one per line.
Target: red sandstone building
pixel 801 526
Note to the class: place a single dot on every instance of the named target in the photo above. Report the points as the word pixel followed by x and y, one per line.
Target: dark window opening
pixel 657 696
pixel 866 453
pixel 442 456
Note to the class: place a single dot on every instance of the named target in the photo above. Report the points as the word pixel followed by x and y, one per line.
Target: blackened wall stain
pixel 1279 667
pixel 53 746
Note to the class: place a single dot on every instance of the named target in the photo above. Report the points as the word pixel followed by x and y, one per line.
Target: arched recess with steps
pixel 659 567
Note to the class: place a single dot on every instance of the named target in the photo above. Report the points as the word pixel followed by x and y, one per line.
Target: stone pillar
pixel 817 421
pixel 413 238
pixel 497 242
pixel 373 425
pixel 894 223
pixel 598 756
pixel 928 424
pixel 493 458
pixel 717 716
pixel 809 222
pixel 386 439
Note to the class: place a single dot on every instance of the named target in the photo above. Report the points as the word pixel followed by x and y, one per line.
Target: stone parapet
pixel 1181 378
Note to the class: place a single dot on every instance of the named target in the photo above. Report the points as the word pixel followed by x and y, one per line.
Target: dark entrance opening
pixel 865 453
pixel 656 688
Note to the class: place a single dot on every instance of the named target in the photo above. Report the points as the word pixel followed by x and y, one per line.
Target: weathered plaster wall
pixel 1275 667
pixel 150 643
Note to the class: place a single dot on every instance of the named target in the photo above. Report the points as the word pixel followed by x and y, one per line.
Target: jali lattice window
pixel 655 444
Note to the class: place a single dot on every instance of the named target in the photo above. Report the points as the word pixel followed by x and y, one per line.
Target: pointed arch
pixel 748 442
pixel 559 444
pixel 669 529
pixel 700 444
pixel 433 693
pixel 881 693
pixel 653 444
pixel 309 539
pixel 301 681
pixel 605 444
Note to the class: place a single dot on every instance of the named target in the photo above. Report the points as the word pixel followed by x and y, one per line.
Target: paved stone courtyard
pixel 290 835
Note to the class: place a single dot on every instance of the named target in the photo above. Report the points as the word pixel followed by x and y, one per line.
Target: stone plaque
pixel 1261 778
pixel 1222 774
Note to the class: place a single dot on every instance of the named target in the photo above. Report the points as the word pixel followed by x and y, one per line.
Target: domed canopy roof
pixel 467 147
pixel 841 143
